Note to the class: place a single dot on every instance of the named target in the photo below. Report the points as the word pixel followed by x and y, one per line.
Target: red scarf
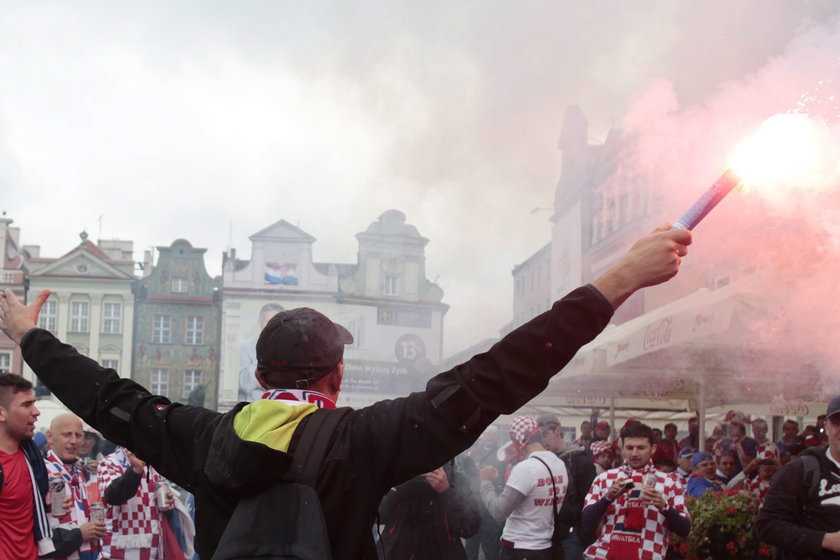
pixel 297 397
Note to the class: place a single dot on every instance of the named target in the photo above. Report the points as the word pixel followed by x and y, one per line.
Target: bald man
pixel 81 534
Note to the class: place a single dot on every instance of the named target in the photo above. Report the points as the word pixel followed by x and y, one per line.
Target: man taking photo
pixel 634 506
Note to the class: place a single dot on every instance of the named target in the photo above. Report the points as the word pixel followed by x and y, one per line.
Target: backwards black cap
pixel 302 343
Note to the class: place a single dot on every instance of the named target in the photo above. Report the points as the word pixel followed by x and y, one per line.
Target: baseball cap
pixel 735 417
pixel 302 343
pixel 766 455
pixel 40 439
pixel 833 408
pixel 701 457
pixel 87 429
pixel 548 421
pixel 687 451
pixel 602 426
pixel 599 447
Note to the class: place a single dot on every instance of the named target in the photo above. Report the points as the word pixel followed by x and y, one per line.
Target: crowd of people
pixel 604 497
pixel 600 483
pixel 100 500
pixel 615 494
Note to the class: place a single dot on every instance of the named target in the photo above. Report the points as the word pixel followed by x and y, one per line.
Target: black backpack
pixel 285 522
pixel 810 486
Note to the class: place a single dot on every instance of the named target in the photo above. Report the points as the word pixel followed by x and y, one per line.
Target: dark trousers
pixel 487 539
pixel 522 554
pixel 572 547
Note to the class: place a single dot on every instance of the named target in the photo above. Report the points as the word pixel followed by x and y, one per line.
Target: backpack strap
pixel 810 477
pixel 314 441
pixel 553 485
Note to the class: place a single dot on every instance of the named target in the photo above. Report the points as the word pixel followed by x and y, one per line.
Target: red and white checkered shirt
pixel 758 487
pixel 133 528
pixel 646 537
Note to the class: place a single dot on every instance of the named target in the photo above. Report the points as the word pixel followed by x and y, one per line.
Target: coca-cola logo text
pixel 657 336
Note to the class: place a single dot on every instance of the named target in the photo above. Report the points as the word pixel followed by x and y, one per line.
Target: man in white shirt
pixel 531 496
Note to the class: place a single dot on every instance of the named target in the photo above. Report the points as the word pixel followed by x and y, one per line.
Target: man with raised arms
pixel 222 457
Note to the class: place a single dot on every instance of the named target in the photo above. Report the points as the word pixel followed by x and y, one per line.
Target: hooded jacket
pixel 581 471
pixel 795 515
pixel 373 448
pixel 422 524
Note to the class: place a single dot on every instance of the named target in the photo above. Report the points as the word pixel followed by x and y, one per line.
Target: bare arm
pixel 652 260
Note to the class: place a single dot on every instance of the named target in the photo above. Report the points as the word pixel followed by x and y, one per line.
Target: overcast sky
pixel 212 120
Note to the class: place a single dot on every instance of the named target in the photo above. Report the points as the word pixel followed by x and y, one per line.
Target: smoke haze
pixel 789 233
pixel 210 121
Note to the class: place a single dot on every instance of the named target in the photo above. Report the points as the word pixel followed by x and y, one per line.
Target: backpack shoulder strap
pixel 313 443
pixel 810 474
pixel 553 485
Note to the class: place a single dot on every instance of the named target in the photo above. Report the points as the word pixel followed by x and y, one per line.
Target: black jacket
pixel 374 448
pixel 794 518
pixel 422 524
pixel 581 471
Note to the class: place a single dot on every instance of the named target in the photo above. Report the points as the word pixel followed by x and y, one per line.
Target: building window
pixel 79 312
pixel 195 330
pixel 111 364
pixel 179 285
pixel 389 287
pixel 112 314
pixel 47 319
pixel 160 382
pixel 161 329
pixel 192 379
pixel 5 362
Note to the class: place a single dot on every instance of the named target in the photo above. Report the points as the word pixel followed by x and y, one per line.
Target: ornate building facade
pixel 91 305
pixel 177 327
pixel 393 311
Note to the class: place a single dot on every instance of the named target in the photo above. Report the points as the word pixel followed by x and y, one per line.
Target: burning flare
pixel 788 152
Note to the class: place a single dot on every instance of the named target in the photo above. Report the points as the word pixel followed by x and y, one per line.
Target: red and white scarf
pixel 74 481
pixel 298 397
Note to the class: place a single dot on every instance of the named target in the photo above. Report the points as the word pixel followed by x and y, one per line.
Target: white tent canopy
pixel 697 355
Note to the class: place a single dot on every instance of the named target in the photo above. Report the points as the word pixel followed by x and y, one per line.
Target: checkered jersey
pixel 654 535
pixel 758 487
pixel 133 528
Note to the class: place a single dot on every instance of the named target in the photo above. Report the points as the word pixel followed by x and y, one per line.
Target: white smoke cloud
pixel 210 121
